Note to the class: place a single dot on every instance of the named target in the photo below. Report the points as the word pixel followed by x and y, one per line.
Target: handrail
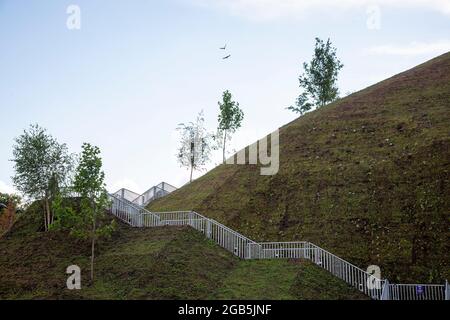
pixel 246 248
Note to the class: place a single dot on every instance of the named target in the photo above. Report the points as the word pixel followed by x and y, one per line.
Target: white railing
pixel 447 291
pixel 126 194
pixel 132 214
pixel 351 274
pixel 278 250
pixel 220 234
pixel 246 248
pixel 155 192
pixel 417 292
pixel 229 239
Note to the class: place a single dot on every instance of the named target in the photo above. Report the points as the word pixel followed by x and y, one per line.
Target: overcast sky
pixel 135 69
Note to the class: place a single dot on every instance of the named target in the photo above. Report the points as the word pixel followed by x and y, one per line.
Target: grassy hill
pixel 154 263
pixel 366 177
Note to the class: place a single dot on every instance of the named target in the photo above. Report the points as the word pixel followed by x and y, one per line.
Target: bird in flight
pixel 227 56
pixel 224 47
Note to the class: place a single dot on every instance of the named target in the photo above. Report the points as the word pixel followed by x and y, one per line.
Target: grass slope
pixel 366 177
pixel 156 263
pixel 283 280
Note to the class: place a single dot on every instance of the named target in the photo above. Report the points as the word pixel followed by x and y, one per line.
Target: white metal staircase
pixel 380 289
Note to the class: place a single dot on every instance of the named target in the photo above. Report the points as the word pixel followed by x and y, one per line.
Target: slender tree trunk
pixel 45 215
pixel 47 208
pixel 192 160
pixel 92 258
pixel 93 246
pixel 224 143
pixel 52 217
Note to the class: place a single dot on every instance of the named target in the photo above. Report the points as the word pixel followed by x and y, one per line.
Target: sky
pixel 123 74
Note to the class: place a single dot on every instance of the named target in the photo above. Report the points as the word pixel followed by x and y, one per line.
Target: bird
pixel 227 57
pixel 224 47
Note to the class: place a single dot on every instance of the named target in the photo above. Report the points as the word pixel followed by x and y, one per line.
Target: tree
pixel 42 166
pixel 230 119
pixel 195 145
pixel 85 219
pixel 319 80
pixel 89 184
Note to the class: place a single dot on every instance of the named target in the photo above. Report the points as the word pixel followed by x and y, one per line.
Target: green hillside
pixel 153 263
pixel 366 177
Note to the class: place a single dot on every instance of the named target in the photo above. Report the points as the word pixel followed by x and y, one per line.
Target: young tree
pixel 42 166
pixel 230 119
pixel 319 80
pixel 89 184
pixel 195 145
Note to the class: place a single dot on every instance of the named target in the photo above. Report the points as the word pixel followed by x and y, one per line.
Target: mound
pixel 366 177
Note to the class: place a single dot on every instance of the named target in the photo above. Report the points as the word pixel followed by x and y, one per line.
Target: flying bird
pixel 227 57
pixel 224 47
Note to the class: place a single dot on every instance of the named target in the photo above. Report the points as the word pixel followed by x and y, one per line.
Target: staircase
pixel 160 190
pixel 136 215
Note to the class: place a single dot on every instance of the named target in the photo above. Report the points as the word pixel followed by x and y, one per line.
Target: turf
pixel 366 177
pixel 153 263
pixel 283 280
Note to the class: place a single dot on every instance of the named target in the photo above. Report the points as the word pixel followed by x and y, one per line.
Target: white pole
pixel 447 291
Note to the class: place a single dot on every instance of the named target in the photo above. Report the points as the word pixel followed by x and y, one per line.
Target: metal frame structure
pixel 245 248
pixel 160 190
